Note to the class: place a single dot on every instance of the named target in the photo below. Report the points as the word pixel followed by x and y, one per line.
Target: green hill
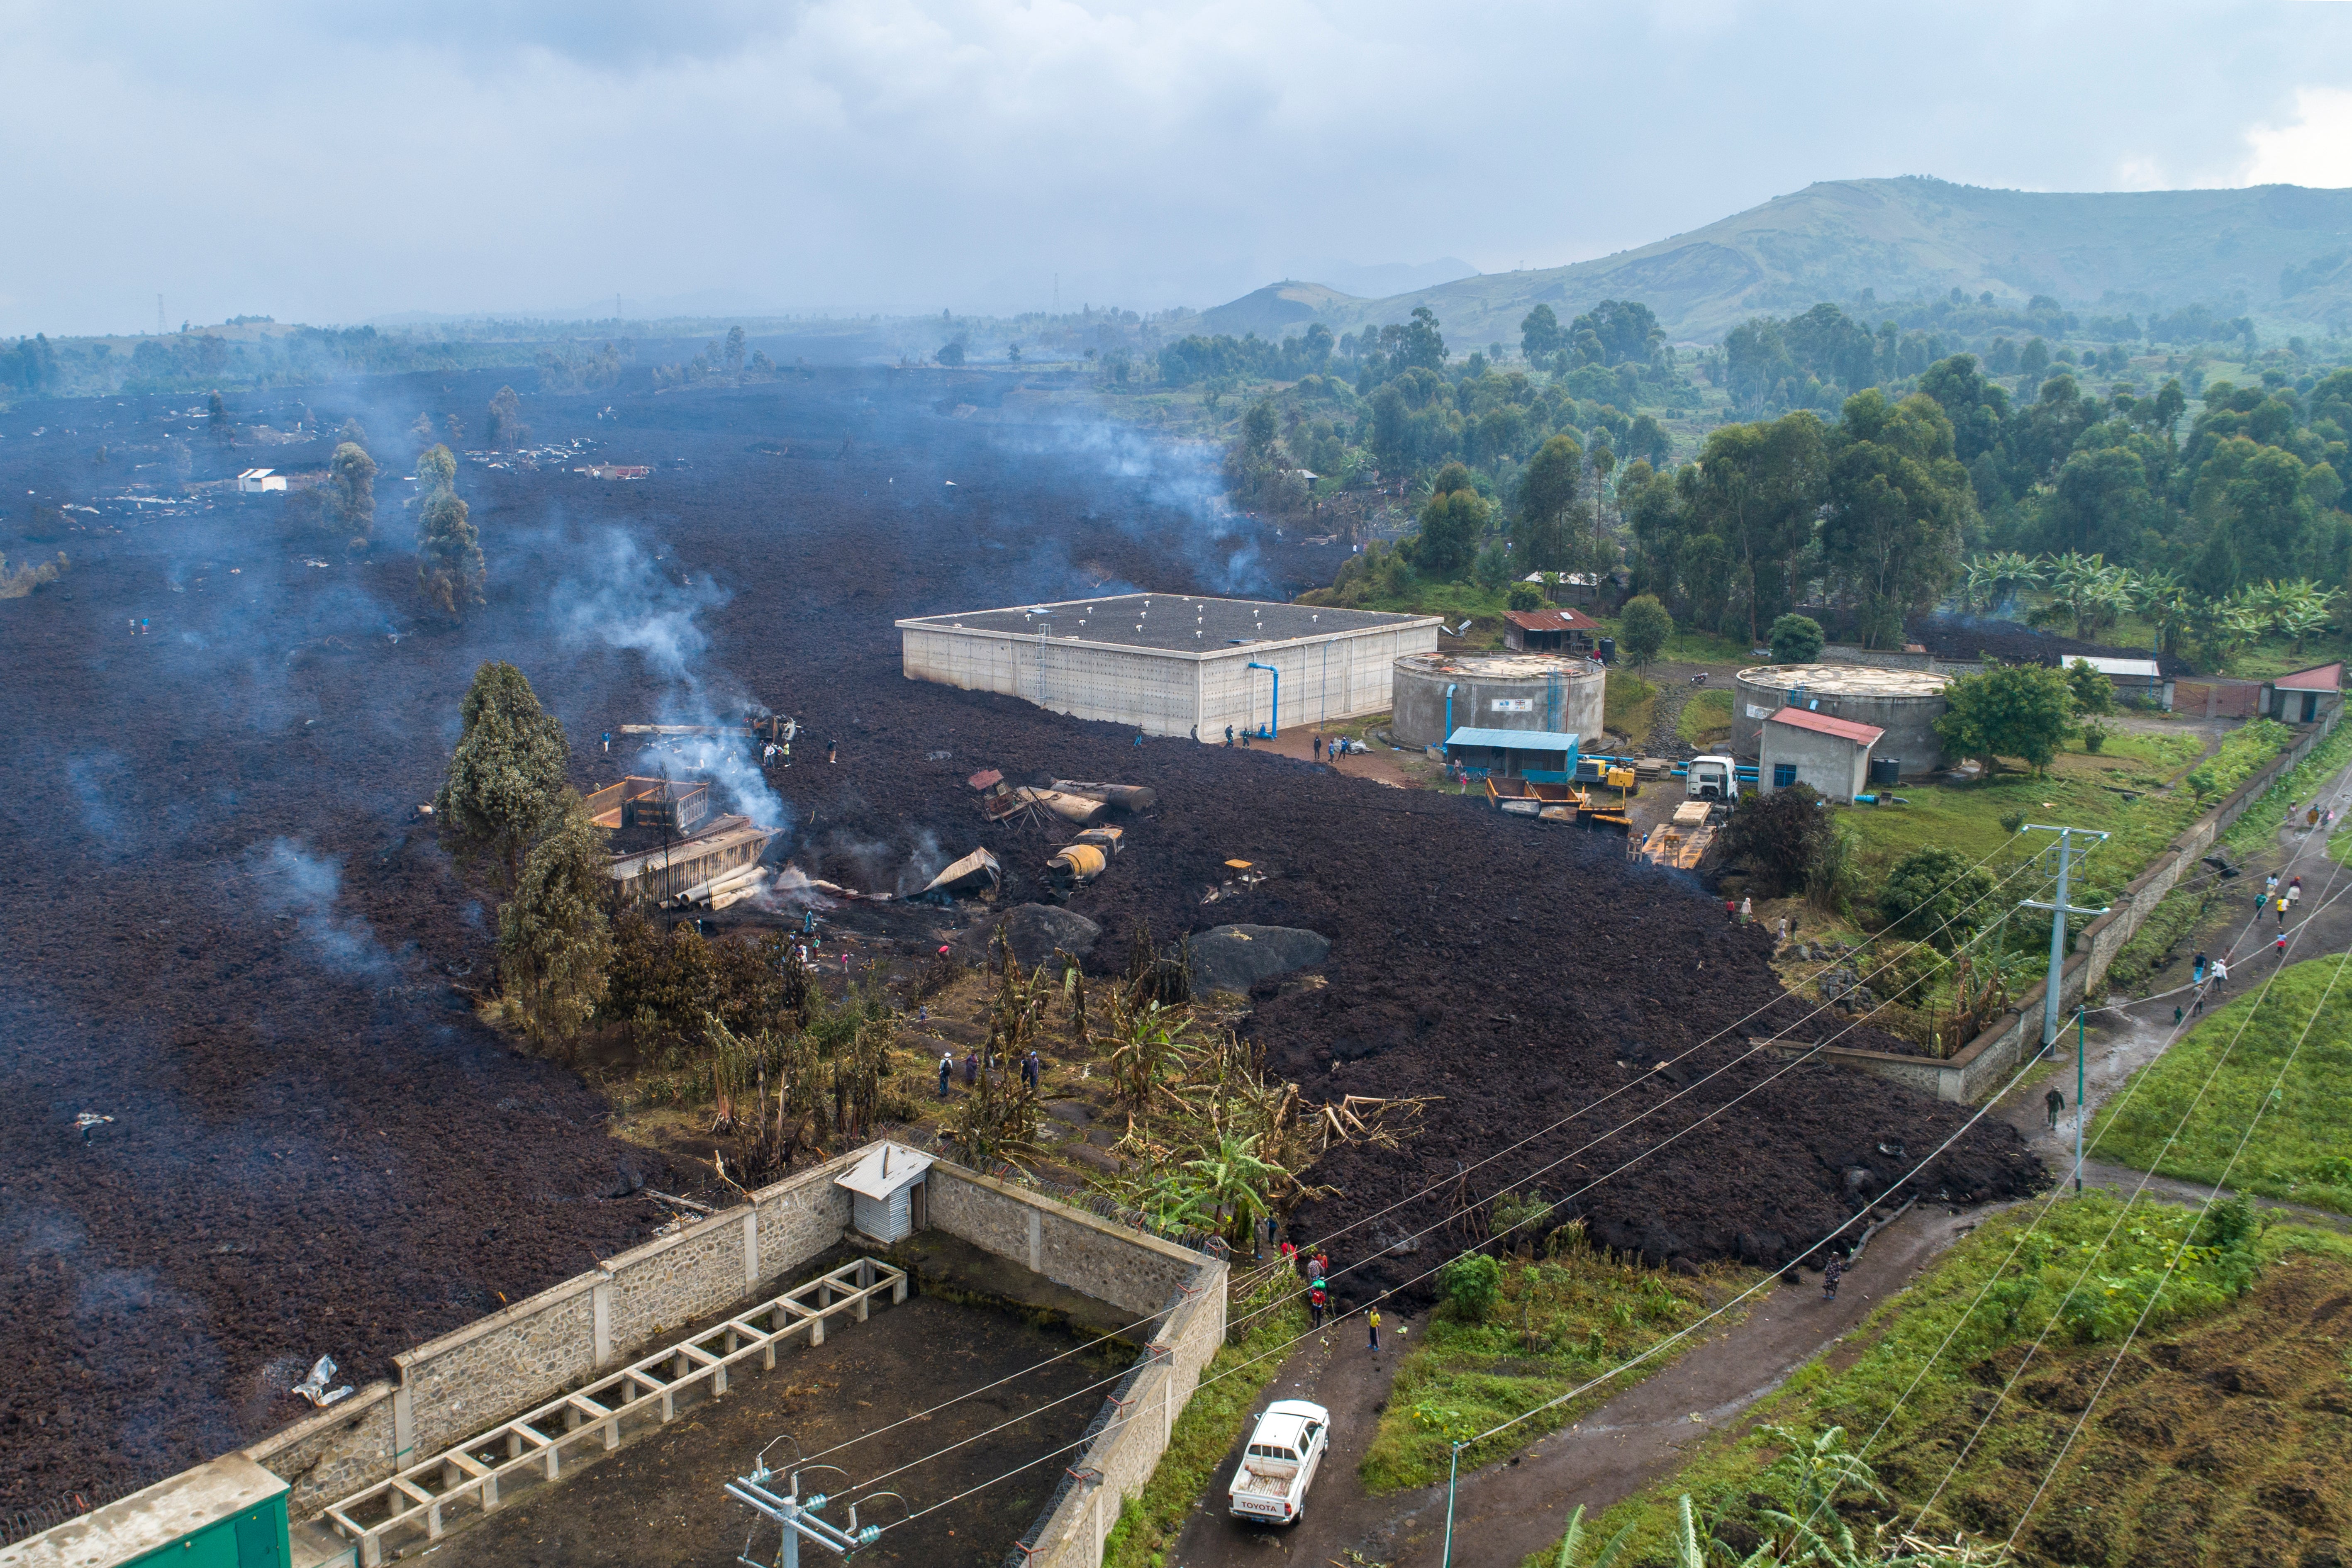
pixel 2281 254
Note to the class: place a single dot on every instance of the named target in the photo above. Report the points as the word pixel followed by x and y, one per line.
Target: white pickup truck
pixel 1279 1462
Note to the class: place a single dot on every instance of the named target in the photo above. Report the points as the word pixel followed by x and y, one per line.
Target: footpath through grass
pixel 2218 1440
pixel 1230 1385
pixel 1554 1322
pixel 2212 1085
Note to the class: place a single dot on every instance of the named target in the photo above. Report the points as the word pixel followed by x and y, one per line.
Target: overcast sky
pixel 322 164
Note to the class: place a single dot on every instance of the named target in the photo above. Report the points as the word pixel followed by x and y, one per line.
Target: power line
pixel 1459 1176
pixel 1451 1216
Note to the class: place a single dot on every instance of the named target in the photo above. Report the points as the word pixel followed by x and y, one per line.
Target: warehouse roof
pixel 1514 739
pixel 2138 669
pixel 1823 724
pixel 1174 622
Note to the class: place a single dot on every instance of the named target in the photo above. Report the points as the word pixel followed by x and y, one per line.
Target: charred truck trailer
pixel 1171 664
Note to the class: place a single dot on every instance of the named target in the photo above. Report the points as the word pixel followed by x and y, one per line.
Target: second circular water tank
pixel 1904 703
pixel 1494 691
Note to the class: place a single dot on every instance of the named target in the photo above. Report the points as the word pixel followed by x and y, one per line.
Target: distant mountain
pixel 1378 282
pixel 2281 254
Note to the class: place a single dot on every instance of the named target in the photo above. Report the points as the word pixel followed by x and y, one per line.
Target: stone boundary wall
pixel 499 1366
pixel 1892 659
pixel 1987 1062
pixel 1131 1270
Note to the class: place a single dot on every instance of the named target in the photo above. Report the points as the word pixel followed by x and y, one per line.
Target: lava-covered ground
pixel 226 929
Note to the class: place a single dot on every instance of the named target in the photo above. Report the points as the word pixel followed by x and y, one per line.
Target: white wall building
pixel 1170 663
pixel 1799 747
pixel 255 481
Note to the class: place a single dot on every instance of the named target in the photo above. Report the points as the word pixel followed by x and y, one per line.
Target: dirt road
pixel 1507 1511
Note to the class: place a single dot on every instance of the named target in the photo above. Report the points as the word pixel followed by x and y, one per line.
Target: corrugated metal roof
pixel 1551 621
pixel 1823 724
pixel 2323 678
pixel 1514 739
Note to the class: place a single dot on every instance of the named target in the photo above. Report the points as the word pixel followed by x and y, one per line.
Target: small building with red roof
pixel 1801 747
pixel 1549 630
pixel 2304 696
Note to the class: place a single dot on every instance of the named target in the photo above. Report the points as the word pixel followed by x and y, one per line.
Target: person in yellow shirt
pixel 1372 1321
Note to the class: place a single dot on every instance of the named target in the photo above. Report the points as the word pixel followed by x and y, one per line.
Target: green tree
pixel 555 944
pixel 449 566
pixel 436 470
pixel 506 431
pixel 1420 344
pixel 735 349
pixel 1539 334
pixel 1780 837
pixel 2093 694
pixel 216 421
pixel 1258 427
pixel 351 493
pixel 1524 596
pixel 1545 536
pixel 950 354
pixel 1898 504
pixel 1933 895
pixel 2009 710
pixel 2034 360
pixel 1643 628
pixel 505 778
pixel 1471 1285
pixel 1453 521
pixel 1796 640
pixel 1752 501
pixel 353 432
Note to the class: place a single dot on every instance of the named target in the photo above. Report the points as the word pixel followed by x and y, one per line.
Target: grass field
pixel 2184 1462
pixel 1629 704
pixel 2121 790
pixel 1559 1321
pixel 1705 720
pixel 2224 1078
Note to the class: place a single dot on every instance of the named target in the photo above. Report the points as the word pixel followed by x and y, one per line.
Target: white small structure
pixel 254 481
pixel 1801 747
pixel 2142 679
pixel 885 1190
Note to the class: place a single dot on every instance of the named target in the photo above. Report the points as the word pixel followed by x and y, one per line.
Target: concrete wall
pixel 1988 1061
pixel 1110 1262
pixel 1830 763
pixel 1119 686
pixel 1324 678
pixel 1419 699
pixel 499 1366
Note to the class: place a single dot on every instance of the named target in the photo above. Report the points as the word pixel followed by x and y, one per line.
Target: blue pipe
pixel 1275 727
pixel 1449 715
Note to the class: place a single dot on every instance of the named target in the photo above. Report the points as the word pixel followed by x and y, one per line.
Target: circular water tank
pixel 1904 703
pixel 1549 692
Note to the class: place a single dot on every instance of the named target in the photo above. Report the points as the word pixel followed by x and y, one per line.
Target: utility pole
pixel 2059 909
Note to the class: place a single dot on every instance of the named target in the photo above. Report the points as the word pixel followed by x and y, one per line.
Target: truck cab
pixel 1280 1461
pixel 1712 778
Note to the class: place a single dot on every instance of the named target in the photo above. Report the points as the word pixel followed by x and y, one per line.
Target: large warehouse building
pixel 1171 664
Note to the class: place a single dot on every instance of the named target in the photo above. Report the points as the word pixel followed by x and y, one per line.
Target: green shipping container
pixel 230 1513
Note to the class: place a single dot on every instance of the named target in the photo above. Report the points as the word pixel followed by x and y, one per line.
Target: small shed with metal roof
pixel 1559 631
pixel 1801 747
pixel 885 1191
pixel 1547 757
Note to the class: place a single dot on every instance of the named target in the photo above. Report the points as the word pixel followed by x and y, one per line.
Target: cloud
pixel 2316 149
pixel 323 164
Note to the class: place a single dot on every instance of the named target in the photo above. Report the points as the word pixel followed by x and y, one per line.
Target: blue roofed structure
pixel 1546 755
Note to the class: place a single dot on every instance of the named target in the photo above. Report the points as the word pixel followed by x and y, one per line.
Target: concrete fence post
pixel 600 1297
pixel 751 1245
pixel 1036 1242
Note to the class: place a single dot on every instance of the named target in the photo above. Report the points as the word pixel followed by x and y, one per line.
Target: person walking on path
pixel 2295 891
pixel 947 1070
pixel 1316 1302
pixel 608 743
pixel 1318 746
pixel 2269 885
pixel 2281 903
pixel 1032 1070
pixel 1229 735
pixel 2054 1102
pixel 1831 1276
pixel 2197 971
pixel 1730 911
pixel 1746 911
pixel 1373 1323
pixel 2221 973
pixel 1320 1270
pixel 1289 1254
pixel 833 751
pixel 972 1067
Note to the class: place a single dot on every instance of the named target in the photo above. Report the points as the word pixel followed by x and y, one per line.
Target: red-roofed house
pixel 1800 747
pixel 2303 696
pixel 1549 631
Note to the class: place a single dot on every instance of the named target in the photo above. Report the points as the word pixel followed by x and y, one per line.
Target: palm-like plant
pixel 1979 585
pixel 2013 573
pixel 1235 1184
pixel 2161 598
